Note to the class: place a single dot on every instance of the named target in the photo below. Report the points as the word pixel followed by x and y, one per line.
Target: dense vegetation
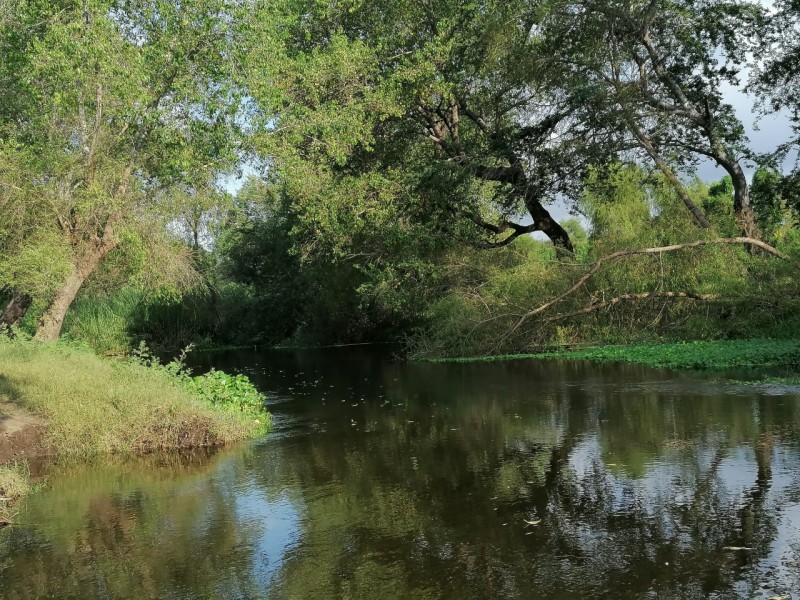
pixel 399 165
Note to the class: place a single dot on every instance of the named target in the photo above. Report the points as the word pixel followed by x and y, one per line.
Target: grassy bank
pixel 706 355
pixel 92 406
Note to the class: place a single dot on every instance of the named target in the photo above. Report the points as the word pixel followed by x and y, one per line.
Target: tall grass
pixel 105 322
pixel 113 323
pixel 94 406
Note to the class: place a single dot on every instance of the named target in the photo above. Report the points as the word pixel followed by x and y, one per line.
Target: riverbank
pixel 700 355
pixel 88 406
pixel 59 400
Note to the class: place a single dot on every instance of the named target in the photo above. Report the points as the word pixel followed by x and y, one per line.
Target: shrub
pixel 221 389
pixel 215 387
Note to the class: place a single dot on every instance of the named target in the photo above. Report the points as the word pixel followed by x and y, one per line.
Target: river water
pixel 384 479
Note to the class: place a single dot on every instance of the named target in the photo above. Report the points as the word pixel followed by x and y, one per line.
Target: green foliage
pixel 701 355
pixel 230 392
pixel 777 78
pixel 119 105
pixel 113 322
pixel 274 284
pixel 718 202
pixel 746 294
pixel 775 202
pixel 393 140
pixel 389 128
pixel 233 391
pixel 727 354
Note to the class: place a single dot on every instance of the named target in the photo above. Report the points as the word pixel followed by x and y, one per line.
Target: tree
pixel 198 212
pixel 442 112
pixel 277 286
pixel 120 98
pixel 777 78
pixel 663 66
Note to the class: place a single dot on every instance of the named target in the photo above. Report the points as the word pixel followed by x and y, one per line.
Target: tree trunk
pixel 49 328
pixel 741 201
pixel 15 310
pixel 548 225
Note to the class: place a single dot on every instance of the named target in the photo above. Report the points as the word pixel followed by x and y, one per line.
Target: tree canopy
pixel 115 102
pixel 389 143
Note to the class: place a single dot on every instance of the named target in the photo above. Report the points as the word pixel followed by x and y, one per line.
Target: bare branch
pixel 627 297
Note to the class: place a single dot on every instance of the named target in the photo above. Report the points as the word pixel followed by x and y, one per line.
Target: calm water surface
pixel 390 480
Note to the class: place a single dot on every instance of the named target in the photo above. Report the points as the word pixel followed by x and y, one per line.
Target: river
pixel 391 480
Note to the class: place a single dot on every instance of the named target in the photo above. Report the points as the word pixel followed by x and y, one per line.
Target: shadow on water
pixel 393 480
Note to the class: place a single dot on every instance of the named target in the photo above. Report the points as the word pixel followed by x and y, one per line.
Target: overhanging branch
pixel 502 227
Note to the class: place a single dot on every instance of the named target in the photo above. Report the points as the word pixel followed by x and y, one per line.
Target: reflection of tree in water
pixel 418 510
pixel 419 485
pixel 130 531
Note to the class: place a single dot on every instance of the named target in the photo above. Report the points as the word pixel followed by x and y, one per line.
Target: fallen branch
pixel 658 250
pixel 640 296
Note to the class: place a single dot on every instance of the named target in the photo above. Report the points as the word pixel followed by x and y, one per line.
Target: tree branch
pixel 626 297
pixel 498 229
pixel 657 250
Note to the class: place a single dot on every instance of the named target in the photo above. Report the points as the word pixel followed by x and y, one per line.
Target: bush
pixel 221 389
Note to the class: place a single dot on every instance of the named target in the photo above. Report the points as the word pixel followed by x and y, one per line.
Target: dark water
pixel 387 480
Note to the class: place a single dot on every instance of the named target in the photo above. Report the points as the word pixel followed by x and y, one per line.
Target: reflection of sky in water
pixel 640 480
pixel 277 522
pixel 671 481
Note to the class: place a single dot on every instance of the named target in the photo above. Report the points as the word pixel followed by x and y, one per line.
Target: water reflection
pixel 506 480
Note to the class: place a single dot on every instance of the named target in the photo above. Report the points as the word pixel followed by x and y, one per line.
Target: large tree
pixel 663 67
pixel 447 111
pixel 116 100
pixel 777 79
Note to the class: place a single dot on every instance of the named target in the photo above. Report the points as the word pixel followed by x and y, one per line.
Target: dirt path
pixel 21 433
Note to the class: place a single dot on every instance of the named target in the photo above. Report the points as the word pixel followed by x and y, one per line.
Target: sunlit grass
pixel 94 406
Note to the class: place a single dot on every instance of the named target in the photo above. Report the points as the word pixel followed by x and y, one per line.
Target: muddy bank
pixel 21 435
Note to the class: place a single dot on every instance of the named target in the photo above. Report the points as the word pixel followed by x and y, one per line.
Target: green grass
pixel 93 406
pixel 105 323
pixel 705 355
pixel 13 487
